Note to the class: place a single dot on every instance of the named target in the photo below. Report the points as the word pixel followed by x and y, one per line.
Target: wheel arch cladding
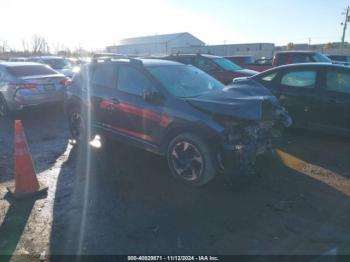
pixel 198 129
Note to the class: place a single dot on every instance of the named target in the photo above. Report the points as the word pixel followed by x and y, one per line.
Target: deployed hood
pixel 242 102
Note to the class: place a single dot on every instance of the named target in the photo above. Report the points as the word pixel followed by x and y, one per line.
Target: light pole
pixel 346 20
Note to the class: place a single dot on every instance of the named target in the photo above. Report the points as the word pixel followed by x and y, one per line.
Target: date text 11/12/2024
pixel 173 258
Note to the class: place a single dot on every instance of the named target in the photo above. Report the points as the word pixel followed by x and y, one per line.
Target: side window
pixel 338 81
pixel 204 64
pixel 300 58
pixel 303 79
pixel 103 75
pixel 132 81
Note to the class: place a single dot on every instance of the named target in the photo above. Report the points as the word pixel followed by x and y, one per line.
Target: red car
pixel 218 67
pixel 290 57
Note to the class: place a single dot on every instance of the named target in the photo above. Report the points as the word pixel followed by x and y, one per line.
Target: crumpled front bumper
pixel 239 156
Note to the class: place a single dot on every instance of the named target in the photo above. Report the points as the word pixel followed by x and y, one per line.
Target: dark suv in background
pixel 218 67
pixel 174 110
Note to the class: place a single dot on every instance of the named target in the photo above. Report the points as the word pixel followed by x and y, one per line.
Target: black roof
pixel 204 55
pixel 303 65
pixel 156 62
pixel 139 61
pixel 297 51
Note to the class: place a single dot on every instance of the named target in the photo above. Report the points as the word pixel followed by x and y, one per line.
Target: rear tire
pixel 4 111
pixel 80 130
pixel 191 160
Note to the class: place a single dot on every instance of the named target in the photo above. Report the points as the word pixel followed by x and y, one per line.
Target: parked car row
pixel 24 84
pixel 286 58
pixel 180 107
pixel 220 68
pixel 63 65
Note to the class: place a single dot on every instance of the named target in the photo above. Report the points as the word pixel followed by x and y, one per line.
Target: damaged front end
pixel 251 118
pixel 244 140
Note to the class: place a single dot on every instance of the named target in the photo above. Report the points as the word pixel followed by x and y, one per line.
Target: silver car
pixel 24 84
pixel 18 59
pixel 57 63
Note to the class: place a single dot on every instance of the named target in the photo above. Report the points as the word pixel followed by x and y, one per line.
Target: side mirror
pixel 152 96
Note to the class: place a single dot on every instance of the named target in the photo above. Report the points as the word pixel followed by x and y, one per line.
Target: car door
pixel 102 94
pixel 299 94
pixel 140 120
pixel 336 99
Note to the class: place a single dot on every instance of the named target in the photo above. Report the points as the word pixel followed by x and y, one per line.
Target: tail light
pixel 66 82
pixel 23 86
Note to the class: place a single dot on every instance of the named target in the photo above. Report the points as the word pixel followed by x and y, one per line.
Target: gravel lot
pixel 119 200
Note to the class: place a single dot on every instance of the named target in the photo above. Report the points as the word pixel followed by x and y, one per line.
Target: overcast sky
pixel 97 23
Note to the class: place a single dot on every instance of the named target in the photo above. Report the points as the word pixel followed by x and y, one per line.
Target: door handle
pixel 109 104
pixel 115 101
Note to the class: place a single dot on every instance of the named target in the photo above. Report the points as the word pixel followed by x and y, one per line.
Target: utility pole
pixel 346 20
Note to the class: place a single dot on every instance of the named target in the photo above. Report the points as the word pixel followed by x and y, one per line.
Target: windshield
pixel 226 64
pixel 185 80
pixel 34 70
pixel 57 63
pixel 321 58
pixel 340 58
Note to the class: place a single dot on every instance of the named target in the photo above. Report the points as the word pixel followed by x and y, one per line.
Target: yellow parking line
pixel 319 173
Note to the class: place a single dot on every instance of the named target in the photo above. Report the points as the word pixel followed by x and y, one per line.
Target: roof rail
pixel 96 55
pixel 109 57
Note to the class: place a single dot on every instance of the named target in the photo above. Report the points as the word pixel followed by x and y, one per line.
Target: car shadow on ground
pixel 120 200
pixel 13 224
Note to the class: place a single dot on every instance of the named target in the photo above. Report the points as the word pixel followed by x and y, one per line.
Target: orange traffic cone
pixel 26 183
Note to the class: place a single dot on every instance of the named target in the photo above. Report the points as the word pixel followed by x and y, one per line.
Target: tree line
pixel 38 45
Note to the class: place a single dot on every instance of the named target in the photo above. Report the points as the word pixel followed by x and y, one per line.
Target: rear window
pixel 33 70
pixel 226 64
pixel 57 63
pixel 338 81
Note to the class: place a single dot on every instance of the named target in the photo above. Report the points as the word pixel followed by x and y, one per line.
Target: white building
pixel 255 49
pixel 157 45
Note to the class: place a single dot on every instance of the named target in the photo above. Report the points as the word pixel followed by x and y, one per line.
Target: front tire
pixel 190 160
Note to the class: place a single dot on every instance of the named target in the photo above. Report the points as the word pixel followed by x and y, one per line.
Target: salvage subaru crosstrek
pixel 175 110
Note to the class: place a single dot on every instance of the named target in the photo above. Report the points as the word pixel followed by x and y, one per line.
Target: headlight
pixel 76 69
pixel 233 129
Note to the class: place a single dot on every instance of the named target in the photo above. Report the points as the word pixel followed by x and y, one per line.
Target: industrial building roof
pixel 153 39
